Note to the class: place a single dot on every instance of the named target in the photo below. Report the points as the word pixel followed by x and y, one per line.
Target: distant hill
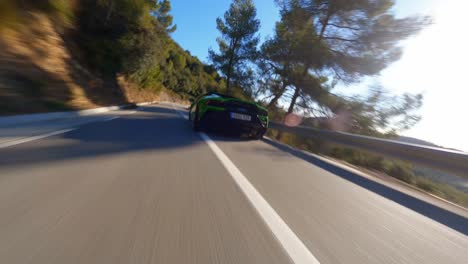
pixel 413 140
pixel 436 175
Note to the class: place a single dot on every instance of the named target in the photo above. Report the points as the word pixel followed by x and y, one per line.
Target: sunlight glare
pixel 434 63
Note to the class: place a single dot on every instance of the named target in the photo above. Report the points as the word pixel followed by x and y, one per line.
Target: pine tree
pixel 238 42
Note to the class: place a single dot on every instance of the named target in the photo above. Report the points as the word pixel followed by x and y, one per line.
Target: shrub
pixel 14 12
pixel 402 172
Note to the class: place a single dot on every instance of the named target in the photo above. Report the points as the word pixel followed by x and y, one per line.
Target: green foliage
pixel 237 44
pixel 55 105
pixel 442 190
pixel 63 10
pixel 377 114
pixel 362 36
pixel 318 43
pixel 162 14
pixel 132 37
pixel 13 12
pixel 402 172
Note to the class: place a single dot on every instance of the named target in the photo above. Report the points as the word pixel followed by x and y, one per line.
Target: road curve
pixel 144 188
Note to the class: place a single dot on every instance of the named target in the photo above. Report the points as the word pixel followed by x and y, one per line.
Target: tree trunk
pixel 230 65
pixel 229 72
pixel 298 87
pixel 277 96
pixel 274 100
pixel 293 100
pixel 228 78
pixel 325 24
pixel 109 12
pixel 290 110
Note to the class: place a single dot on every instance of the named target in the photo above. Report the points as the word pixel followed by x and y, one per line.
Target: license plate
pixel 241 117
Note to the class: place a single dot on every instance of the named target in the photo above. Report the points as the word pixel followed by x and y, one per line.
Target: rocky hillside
pixel 74 54
pixel 40 71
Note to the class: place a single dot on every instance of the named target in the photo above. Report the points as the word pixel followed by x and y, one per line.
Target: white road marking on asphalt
pixel 110 118
pixel 288 239
pixel 28 139
pixel 183 115
pixel 298 252
pixel 386 228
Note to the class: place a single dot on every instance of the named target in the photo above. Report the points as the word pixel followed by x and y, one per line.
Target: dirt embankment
pixel 40 71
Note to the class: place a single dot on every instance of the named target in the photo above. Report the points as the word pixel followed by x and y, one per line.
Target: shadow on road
pixel 161 129
pixel 452 220
pixel 151 129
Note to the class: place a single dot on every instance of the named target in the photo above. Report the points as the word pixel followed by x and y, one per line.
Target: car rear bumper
pixel 222 121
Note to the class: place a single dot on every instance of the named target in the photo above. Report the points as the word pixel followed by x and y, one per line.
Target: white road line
pixel 298 252
pixel 288 239
pixel 386 228
pixel 184 116
pixel 28 139
pixel 110 118
pixel 115 117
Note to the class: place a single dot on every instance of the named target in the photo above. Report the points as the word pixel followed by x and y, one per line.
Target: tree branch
pixel 325 24
pixel 340 39
pixel 345 27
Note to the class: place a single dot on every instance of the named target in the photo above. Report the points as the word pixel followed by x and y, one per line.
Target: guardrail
pixel 437 158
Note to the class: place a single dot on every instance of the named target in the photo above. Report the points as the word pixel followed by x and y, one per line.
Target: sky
pixel 196 22
pixel 433 62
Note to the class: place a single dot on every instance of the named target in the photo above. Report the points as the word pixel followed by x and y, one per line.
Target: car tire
pixel 195 121
pixel 258 135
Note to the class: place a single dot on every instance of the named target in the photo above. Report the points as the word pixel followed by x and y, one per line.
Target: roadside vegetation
pixel 318 46
pixel 398 169
pixel 60 55
pixel 71 54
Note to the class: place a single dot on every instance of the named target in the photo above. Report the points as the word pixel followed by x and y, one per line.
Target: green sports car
pixel 229 114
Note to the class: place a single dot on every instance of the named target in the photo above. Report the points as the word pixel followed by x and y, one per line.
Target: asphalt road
pixel 144 188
